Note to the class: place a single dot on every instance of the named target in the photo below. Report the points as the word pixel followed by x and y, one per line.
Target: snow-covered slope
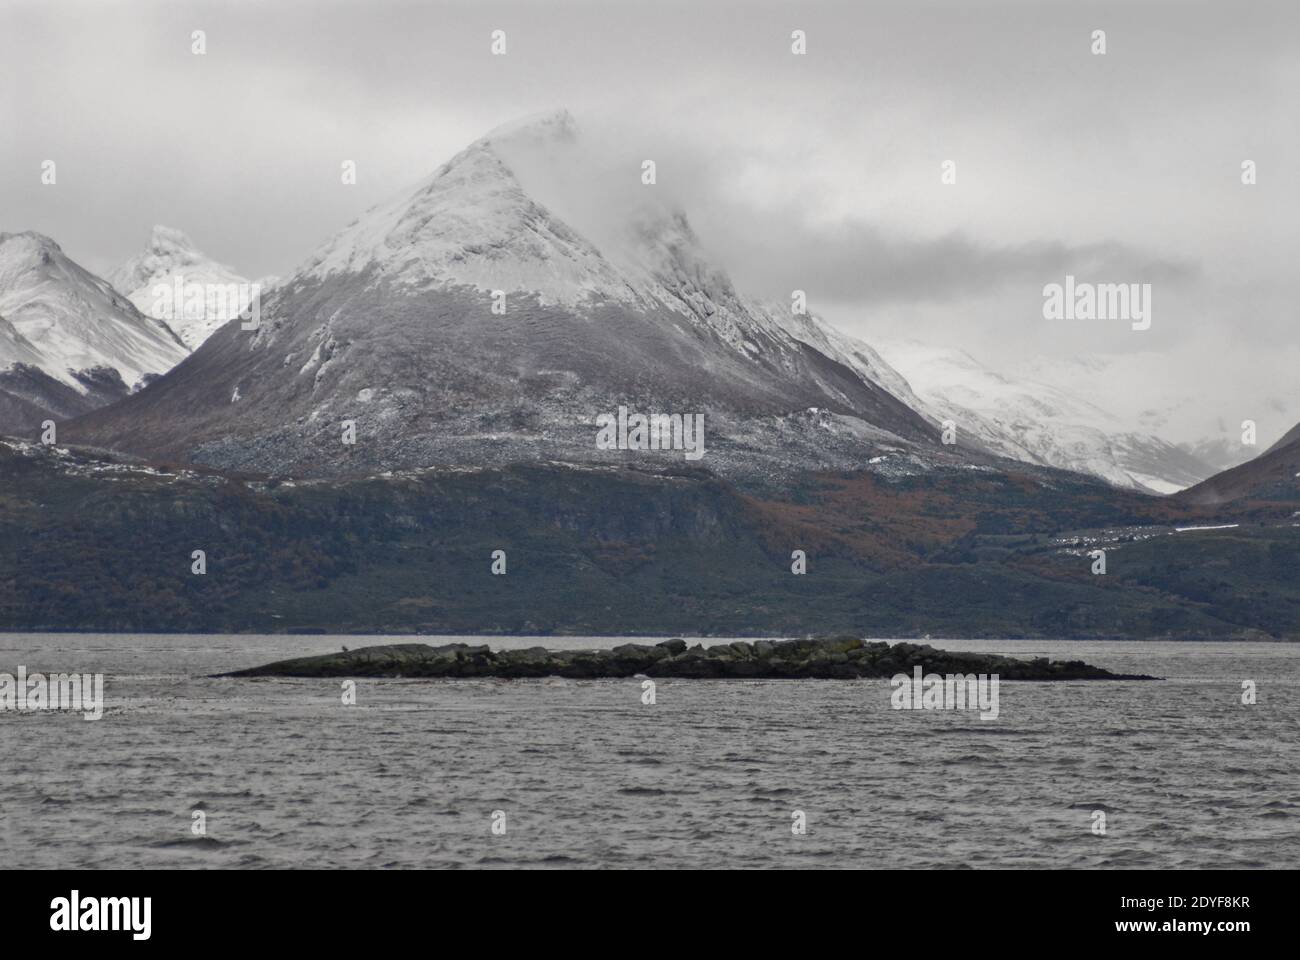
pixel 1039 422
pixel 1197 398
pixel 170 255
pixel 391 324
pixel 69 342
pixel 815 331
pixel 471 223
pixel 611 299
pixel 15 348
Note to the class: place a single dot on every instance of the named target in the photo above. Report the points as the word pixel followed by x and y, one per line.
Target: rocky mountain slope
pixel 1272 476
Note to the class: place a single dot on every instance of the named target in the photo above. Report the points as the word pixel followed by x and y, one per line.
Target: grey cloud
pixel 855 261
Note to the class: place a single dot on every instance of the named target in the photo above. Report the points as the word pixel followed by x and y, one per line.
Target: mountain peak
pixel 67 323
pixel 164 241
pixel 18 251
pixel 167 249
pixel 28 259
pixel 30 237
pixel 473 224
pixel 168 256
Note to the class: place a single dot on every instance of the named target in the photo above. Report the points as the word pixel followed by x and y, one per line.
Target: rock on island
pixel 825 658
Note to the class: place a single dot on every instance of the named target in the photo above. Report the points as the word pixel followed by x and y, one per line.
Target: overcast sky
pixel 819 172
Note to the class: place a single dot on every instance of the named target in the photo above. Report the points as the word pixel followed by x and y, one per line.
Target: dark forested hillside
pixel 89 543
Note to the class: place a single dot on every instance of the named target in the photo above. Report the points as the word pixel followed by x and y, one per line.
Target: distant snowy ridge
pixel 171 256
pixel 64 319
pixel 69 342
pixel 1038 422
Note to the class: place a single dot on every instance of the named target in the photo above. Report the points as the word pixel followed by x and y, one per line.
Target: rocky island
pixel 824 658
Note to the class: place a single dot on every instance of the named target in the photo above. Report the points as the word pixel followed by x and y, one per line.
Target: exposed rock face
pixel 826 658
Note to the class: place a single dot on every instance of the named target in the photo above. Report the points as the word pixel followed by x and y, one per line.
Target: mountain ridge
pixel 69 342
pixel 393 324
pixel 1036 421
pixel 617 313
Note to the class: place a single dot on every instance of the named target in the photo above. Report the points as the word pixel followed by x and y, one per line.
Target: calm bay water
pixel 587 775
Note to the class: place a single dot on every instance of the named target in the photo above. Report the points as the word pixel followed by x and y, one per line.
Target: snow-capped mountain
pixel 393 323
pixel 467 321
pixel 1183 397
pixel 69 342
pixel 171 256
pixel 471 224
pixel 1039 422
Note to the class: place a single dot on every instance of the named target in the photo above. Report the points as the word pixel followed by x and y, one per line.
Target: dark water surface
pixel 588 775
